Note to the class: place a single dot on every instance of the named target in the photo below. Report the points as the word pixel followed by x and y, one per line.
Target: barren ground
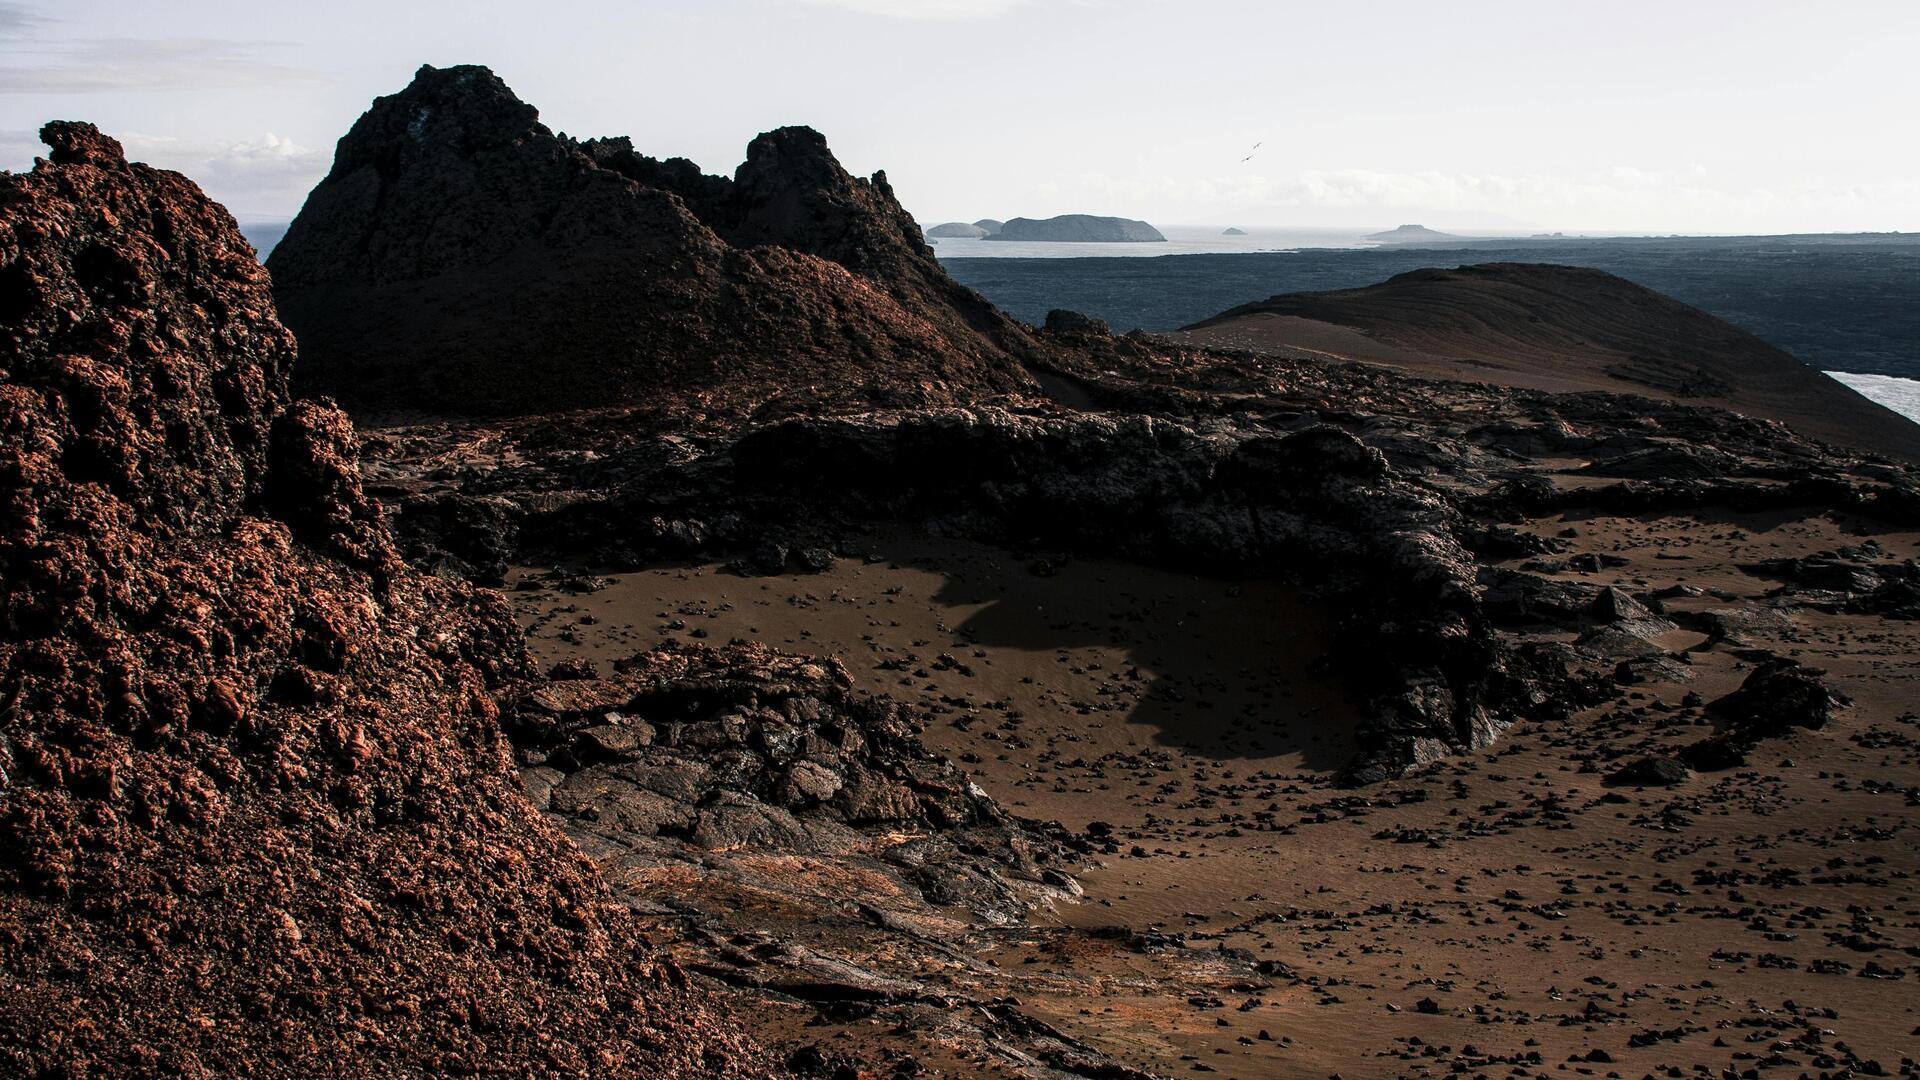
pixel 1500 913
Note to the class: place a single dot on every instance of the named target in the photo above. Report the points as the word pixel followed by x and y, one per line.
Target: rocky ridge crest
pixel 506 269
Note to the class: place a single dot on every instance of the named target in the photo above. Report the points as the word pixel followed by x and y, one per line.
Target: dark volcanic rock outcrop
pixel 1777 698
pixel 1565 328
pixel 462 258
pixel 256 817
pixel 1079 228
pixel 1394 500
pixel 1314 505
pixel 683 755
pixel 1069 324
pixel 1652 770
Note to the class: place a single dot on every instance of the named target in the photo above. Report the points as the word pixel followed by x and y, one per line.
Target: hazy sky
pixel 1676 115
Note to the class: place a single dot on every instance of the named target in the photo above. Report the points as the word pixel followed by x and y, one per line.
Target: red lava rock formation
pixel 504 269
pixel 256 816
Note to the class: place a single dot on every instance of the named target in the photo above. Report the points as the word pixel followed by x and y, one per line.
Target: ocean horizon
pixel 1836 303
pixel 1726 276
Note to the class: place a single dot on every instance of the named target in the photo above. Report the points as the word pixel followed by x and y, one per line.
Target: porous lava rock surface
pixel 256 816
pixel 506 269
pixel 687 753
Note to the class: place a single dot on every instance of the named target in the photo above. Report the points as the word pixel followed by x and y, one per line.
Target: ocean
pixel 1840 303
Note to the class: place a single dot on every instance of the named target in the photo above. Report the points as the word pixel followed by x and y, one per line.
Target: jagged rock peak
pixel 76 142
pixel 791 191
pixel 462 258
pixel 139 332
pixel 796 152
pixel 464 108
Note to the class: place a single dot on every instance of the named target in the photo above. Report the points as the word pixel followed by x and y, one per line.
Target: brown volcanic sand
pixel 1561 328
pixel 1101 657
pixel 1536 910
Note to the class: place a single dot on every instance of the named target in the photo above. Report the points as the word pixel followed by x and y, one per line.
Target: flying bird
pixel 1250 153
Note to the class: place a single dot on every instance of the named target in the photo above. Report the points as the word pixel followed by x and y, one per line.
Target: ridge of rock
pixel 462 258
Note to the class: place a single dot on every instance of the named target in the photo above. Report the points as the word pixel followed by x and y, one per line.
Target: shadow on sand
pixel 1228 667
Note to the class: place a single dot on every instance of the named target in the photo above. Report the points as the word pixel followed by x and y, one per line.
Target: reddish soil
pixel 1501 912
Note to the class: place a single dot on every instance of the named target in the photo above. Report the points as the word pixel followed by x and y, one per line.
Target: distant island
pixel 990 225
pixel 1231 231
pixel 1409 234
pixel 957 230
pixel 1080 228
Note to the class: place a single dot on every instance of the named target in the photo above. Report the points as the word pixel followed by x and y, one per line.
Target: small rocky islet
pixel 1064 229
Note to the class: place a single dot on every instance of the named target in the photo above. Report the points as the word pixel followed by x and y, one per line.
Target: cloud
pixel 941 10
pixel 117 65
pixel 269 157
pixel 258 179
pixel 16 20
pixel 263 178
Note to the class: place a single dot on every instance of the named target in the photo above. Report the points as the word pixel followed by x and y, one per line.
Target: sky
pixel 1697 116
